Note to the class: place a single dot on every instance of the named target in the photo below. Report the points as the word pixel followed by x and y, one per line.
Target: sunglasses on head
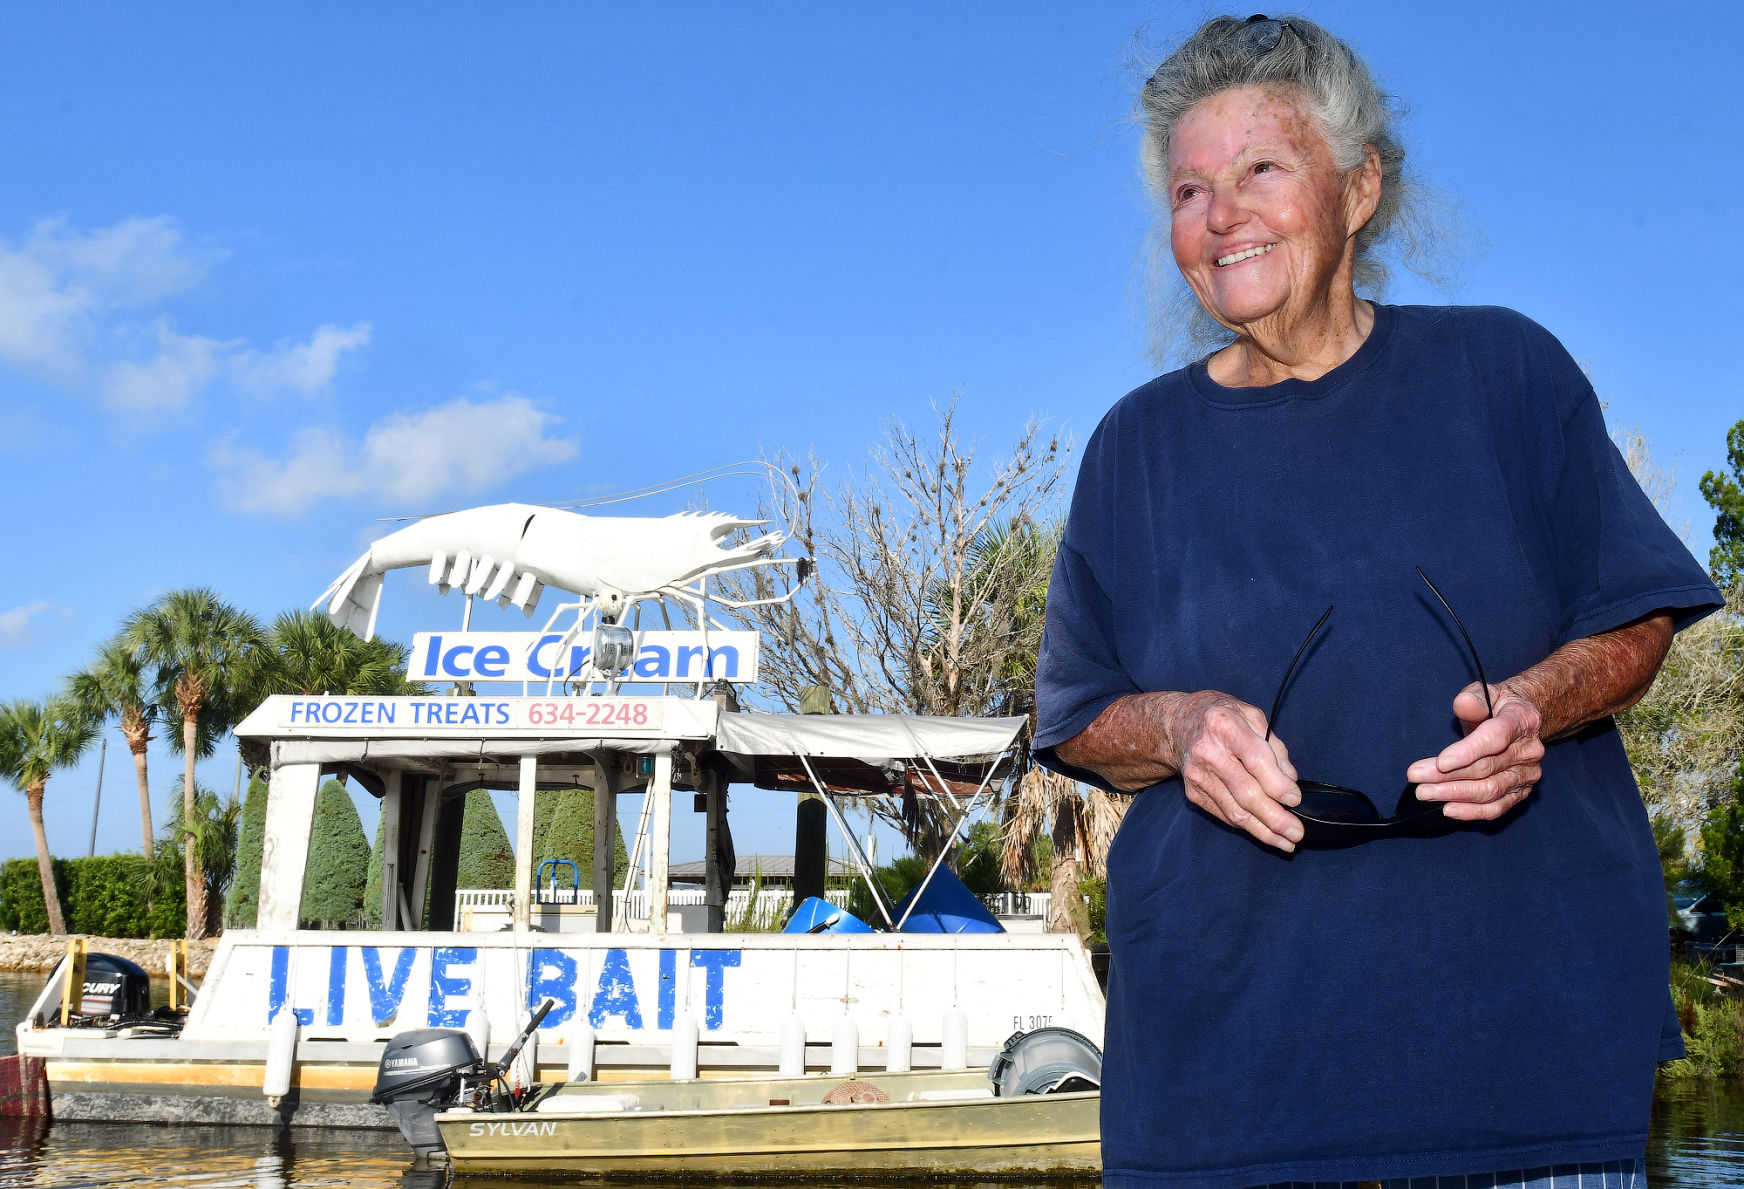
pixel 1260 34
pixel 1334 816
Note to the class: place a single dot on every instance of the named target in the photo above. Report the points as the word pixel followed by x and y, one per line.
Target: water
pixel 1697 1143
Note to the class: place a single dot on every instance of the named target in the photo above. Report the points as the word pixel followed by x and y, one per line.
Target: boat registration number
pixel 1031 1023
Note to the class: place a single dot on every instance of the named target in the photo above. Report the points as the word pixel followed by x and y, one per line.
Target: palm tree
pixel 306 654
pixel 1084 821
pixel 213 827
pixel 115 685
pixel 35 739
pixel 1081 823
pixel 200 645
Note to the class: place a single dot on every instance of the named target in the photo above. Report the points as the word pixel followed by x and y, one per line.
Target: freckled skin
pixel 1248 167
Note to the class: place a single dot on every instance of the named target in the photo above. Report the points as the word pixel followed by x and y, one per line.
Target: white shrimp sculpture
pixel 511 552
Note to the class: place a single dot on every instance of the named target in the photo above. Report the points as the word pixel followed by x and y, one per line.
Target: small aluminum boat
pixel 933 1124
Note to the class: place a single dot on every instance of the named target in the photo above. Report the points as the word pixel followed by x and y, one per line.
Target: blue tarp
pixel 947 907
pixel 813 912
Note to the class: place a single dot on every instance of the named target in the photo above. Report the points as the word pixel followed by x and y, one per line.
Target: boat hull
pixel 1029 1136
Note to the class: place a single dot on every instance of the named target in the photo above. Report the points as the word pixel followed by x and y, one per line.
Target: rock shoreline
pixel 24 953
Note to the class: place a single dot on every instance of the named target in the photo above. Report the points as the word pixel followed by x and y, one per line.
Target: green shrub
pixel 105 896
pixel 1713 1026
pixel 485 858
pixel 563 829
pixel 242 903
pixel 338 866
pixel 1095 893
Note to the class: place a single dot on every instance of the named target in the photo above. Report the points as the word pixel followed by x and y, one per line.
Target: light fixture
pixel 614 648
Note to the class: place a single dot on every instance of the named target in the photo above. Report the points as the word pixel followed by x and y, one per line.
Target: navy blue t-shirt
pixel 1492 999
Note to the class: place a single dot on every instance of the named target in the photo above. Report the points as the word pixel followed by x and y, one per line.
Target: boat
pixel 290 1024
pixel 933 1125
pixel 1034 1112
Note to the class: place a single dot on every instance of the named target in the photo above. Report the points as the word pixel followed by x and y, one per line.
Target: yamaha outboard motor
pixel 1046 1061
pixel 425 1072
pixel 420 1074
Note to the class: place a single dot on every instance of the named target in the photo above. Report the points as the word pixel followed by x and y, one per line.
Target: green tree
pixel 210 831
pixel 200 646
pixel 486 861
pixel 372 883
pixel 333 881
pixel 1725 495
pixel 242 905
pixel 116 685
pixel 563 829
pixel 1723 852
pixel 304 653
pixel 36 738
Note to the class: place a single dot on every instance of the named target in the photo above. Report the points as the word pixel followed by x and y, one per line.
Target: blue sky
pixel 266 275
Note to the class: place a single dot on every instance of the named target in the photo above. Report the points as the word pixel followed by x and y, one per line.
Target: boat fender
pixel 845 1048
pixel 684 1049
pixel 793 1047
pixel 954 1041
pixel 899 1046
pixel 281 1057
pixel 580 1050
pixel 477 1025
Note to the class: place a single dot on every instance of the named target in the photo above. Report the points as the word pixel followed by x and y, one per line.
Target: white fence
pixel 1017 904
pixel 771 904
pixel 768 911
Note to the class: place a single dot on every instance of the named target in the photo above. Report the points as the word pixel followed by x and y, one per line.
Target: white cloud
pixel 134 261
pixel 22 625
pixel 65 302
pixel 181 368
pixel 57 284
pixel 299 367
pixel 460 447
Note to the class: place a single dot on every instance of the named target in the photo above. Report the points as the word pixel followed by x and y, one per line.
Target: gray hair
pixel 1340 94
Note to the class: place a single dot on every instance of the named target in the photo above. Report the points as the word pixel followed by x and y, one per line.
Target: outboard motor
pixel 421 1073
pixel 1046 1061
pixel 114 989
pixel 430 1070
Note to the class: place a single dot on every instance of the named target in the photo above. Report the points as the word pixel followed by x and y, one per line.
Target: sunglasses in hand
pixel 1334 816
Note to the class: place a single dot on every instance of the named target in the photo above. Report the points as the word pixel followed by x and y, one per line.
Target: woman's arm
pixel 1496 765
pixel 1217 744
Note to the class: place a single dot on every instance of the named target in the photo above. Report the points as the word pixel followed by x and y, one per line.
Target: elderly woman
pixel 1467 976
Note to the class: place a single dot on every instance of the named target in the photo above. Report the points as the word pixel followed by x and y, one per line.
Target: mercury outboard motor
pixel 429 1070
pixel 114 989
pixel 1046 1061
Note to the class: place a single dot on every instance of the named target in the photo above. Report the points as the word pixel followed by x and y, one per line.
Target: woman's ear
pixel 1362 190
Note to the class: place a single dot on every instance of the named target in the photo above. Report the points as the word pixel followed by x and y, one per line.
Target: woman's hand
pixel 1495 766
pixel 1216 744
pixel 1232 770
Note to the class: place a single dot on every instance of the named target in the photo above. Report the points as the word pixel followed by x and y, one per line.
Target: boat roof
pixel 872 754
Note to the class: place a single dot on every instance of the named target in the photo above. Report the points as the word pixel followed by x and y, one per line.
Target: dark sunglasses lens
pixel 1328 803
pixel 1260 34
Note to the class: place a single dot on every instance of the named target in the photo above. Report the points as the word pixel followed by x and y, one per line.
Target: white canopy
pixel 870 738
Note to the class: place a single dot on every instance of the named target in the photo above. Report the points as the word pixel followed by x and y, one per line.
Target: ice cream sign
pixel 532 656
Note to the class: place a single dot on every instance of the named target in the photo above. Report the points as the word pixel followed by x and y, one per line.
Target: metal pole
pixel 97 802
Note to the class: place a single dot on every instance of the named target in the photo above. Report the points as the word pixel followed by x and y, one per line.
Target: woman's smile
pixel 1241 254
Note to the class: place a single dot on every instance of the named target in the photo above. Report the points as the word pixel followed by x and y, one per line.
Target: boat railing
pixel 768 909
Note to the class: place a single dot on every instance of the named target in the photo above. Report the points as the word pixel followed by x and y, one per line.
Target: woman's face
pixel 1261 219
